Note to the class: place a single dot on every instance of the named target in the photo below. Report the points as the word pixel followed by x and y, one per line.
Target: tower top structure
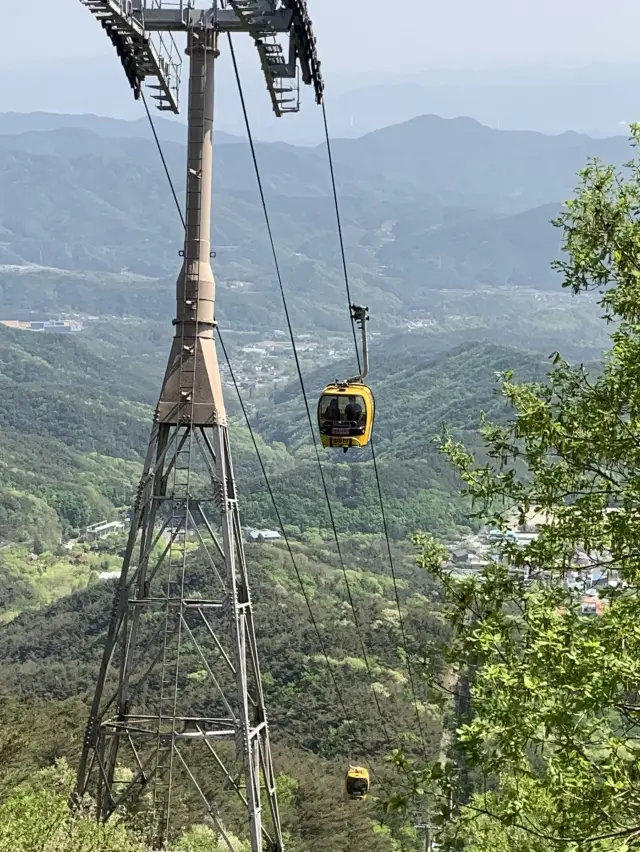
pixel 142 32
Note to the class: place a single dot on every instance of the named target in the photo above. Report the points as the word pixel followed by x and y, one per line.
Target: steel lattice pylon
pixel 179 698
pixel 179 695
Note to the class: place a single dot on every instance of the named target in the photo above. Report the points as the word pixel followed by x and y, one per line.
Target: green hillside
pixel 416 396
pixel 50 661
pixel 77 412
pixel 73 424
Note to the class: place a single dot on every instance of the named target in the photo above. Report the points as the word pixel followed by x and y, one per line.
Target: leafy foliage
pixel 551 719
pixel 37 816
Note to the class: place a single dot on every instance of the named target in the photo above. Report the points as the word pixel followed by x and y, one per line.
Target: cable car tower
pixel 179 703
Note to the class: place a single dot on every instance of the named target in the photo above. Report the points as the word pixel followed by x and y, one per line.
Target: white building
pixel 109 575
pixel 103 529
pixel 254 535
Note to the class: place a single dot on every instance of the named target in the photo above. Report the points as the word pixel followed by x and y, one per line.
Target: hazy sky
pixel 401 36
pixel 54 57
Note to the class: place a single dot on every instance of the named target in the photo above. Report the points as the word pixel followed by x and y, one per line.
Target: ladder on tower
pixel 179 500
pixel 180 503
pixel 171 641
pixel 278 71
pixel 141 57
pixel 179 494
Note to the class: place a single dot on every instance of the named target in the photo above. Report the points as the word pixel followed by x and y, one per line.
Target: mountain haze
pixel 429 207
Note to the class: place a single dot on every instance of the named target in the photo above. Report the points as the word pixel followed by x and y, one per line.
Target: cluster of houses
pixel 56 326
pixel 591 579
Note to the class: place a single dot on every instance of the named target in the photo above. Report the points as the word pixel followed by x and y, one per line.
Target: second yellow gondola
pixel 346 410
pixel 357 782
pixel 345 415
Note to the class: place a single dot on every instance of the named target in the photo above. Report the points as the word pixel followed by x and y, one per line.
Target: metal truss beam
pixel 144 57
pixel 141 32
pixel 152 717
pixel 224 20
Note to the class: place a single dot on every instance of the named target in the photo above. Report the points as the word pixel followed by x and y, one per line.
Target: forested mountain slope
pixel 52 656
pixel 73 425
pixel 415 394
pixel 77 412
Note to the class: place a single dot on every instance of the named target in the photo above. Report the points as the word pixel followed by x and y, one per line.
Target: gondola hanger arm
pixel 360 315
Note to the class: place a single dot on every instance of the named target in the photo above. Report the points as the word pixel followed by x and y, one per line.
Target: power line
pixel 259 455
pixel 397 597
pixel 302 385
pixel 340 234
pixel 307 601
pixel 164 162
pixel 373 452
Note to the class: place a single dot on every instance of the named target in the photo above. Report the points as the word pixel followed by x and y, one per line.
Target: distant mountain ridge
pixel 462 160
pixel 428 207
pixel 595 99
pixel 425 148
pixel 553 103
pixel 14 123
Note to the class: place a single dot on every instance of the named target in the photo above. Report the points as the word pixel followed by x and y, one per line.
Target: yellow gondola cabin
pixel 345 415
pixel 357 782
pixel 346 410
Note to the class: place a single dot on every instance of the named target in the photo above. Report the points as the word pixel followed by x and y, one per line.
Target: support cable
pixel 284 533
pixel 397 597
pixel 164 162
pixel 303 388
pixel 340 234
pixel 314 622
pixel 373 451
